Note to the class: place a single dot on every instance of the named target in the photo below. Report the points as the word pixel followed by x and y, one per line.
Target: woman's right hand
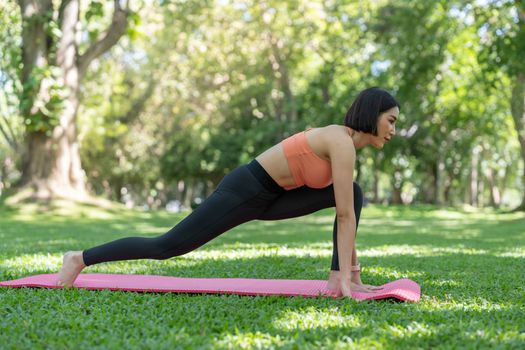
pixel 347 287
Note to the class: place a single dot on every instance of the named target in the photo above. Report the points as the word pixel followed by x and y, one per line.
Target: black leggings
pixel 247 193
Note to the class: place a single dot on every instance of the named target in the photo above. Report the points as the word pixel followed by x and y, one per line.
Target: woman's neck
pixel 360 139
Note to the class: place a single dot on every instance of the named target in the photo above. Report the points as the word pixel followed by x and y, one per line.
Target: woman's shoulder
pixel 335 130
pixel 329 128
pixel 332 137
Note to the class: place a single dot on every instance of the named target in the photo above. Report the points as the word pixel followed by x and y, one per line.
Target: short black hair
pixel 365 110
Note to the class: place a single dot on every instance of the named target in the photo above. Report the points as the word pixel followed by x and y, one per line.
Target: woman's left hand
pixel 357 280
pixel 334 280
pixel 372 288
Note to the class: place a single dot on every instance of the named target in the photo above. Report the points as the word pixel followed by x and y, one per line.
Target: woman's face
pixel 386 126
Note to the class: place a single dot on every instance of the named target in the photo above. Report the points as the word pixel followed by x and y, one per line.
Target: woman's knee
pixel 165 249
pixel 170 253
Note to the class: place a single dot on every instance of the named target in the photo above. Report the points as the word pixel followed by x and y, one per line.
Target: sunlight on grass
pixel 478 304
pixel 29 263
pixel 46 261
pixel 28 211
pixel 251 340
pixel 390 273
pixel 314 318
pixel 419 250
pixel 448 214
pixel 415 328
pixel 512 253
pixel 261 250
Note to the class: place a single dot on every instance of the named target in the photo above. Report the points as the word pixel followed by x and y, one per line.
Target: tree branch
pixel 138 105
pixel 10 139
pixel 107 39
pixel 61 10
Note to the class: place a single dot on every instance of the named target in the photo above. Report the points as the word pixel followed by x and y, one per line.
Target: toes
pixel 64 285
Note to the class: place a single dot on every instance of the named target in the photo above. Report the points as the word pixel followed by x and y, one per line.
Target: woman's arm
pixel 356 275
pixel 342 157
pixel 345 238
pixel 354 256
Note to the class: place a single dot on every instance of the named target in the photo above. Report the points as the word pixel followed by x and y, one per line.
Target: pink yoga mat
pixel 403 289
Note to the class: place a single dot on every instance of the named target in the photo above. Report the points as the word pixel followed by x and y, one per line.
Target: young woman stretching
pixel 304 173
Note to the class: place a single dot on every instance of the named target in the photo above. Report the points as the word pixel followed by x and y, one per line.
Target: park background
pixel 182 92
pixel 117 118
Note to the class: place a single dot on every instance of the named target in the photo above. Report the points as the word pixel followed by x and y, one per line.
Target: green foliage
pixel 502 35
pixel 223 99
pixel 94 16
pixel 95 11
pixel 132 31
pixel 10 40
pixel 43 111
pixel 10 121
pixel 228 80
pixel 110 132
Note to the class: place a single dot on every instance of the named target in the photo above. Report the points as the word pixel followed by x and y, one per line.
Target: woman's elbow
pixel 345 216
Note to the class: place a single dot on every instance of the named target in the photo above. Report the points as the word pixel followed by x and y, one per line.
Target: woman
pixel 306 172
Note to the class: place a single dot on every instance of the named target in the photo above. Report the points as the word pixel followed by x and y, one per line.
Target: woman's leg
pixel 306 200
pixel 217 214
pixel 240 197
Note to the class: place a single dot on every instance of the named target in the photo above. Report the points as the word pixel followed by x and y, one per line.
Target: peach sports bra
pixel 307 168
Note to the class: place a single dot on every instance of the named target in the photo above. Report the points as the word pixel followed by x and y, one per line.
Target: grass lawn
pixel 470 265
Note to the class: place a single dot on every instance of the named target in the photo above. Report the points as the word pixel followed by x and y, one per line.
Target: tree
pixel 53 67
pixel 502 28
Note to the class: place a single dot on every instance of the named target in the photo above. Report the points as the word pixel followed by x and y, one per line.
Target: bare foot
pixel 72 265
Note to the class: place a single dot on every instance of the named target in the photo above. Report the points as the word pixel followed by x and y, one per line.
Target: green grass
pixel 470 265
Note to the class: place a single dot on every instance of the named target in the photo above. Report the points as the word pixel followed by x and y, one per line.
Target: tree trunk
pixel 481 188
pixel 447 189
pixel 473 188
pixel 504 181
pixel 495 198
pixel 396 196
pixel 279 66
pixel 286 105
pixel 3 176
pixel 435 183
pixel 7 131
pixel 518 115
pixel 190 193
pixel 397 186
pixel 51 163
pixel 440 181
